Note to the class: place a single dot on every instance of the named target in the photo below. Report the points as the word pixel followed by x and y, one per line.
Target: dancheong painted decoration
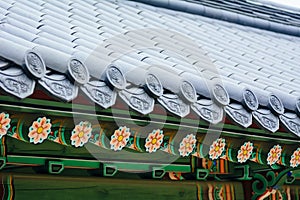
pixel 147 99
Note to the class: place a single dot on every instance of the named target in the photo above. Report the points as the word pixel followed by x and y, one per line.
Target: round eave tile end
pixel 250 100
pixel 78 71
pixel 188 91
pixel 34 65
pixel 154 85
pixel 220 95
pixel 115 77
pixel 276 104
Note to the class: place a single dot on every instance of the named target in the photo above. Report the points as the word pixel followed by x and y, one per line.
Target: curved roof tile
pixel 144 53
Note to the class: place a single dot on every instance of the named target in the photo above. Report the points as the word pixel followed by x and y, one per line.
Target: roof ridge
pixel 289 25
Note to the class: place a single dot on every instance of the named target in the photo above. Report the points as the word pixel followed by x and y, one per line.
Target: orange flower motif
pixel 187 145
pixel 4 124
pixel 81 134
pixel 120 138
pixel 217 148
pixel 39 130
pixel 154 140
pixel 295 159
pixel 245 152
pixel 274 154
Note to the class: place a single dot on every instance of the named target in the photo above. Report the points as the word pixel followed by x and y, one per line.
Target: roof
pixel 262 14
pixel 148 55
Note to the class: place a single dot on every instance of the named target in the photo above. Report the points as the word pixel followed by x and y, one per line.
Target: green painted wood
pixel 90 151
pixel 94 164
pixel 55 187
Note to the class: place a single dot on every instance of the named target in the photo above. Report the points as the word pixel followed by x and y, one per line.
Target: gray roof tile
pixel 122 34
pixel 15 82
pixel 5 5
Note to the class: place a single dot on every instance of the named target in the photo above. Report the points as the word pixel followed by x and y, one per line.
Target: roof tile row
pixel 143 53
